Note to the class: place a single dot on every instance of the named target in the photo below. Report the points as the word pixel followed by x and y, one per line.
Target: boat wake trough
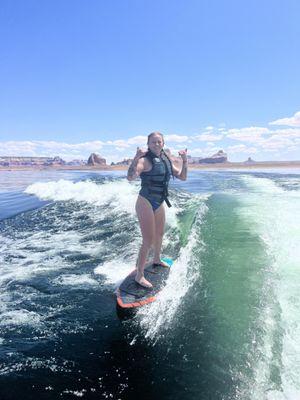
pixel 273 212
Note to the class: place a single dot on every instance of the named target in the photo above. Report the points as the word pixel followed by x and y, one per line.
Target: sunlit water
pixel 226 325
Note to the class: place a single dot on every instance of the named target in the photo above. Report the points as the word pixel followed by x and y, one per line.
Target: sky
pixel 98 76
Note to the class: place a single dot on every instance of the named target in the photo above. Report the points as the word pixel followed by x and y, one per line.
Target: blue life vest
pixel 156 181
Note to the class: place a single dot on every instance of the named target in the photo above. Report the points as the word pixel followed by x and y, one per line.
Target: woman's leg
pixel 146 219
pixel 159 218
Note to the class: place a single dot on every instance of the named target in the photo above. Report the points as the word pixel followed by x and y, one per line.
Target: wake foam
pixel 114 271
pixel 88 241
pixel 20 317
pixel 274 214
pixel 84 280
pixel 186 270
pixel 118 195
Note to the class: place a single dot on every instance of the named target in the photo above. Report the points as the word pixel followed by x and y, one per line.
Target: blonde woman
pixel 155 169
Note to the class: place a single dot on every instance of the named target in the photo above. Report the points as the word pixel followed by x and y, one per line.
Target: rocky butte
pixel 31 161
pixel 126 161
pixel 96 159
pixel 219 157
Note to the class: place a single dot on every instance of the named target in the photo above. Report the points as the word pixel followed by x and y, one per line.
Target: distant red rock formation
pixel 249 161
pixel 126 161
pixel 31 161
pixel 219 157
pixel 96 159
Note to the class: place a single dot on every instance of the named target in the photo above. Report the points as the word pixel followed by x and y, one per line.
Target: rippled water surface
pixel 226 325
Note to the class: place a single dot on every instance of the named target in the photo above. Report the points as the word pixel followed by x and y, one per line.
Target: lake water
pixel 226 326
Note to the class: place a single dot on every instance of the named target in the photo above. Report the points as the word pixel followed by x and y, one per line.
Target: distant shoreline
pixel 221 166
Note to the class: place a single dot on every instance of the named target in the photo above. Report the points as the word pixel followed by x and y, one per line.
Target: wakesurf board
pixel 131 295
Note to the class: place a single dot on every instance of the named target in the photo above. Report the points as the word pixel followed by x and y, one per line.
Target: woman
pixel 155 169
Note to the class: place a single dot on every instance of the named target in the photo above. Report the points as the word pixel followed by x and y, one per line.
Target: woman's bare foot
pixel 143 282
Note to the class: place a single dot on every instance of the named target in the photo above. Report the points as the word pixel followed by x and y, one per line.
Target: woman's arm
pixel 181 174
pixel 137 166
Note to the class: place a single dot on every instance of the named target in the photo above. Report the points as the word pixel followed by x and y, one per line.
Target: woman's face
pixel 156 143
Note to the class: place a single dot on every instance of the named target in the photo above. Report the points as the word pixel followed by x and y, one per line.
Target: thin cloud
pixel 250 134
pixel 247 140
pixel 205 137
pixel 118 143
pixel 275 142
pixel 197 152
pixel 176 138
pixel 138 140
pixel 241 148
pixel 288 132
pixel 37 148
pixel 289 121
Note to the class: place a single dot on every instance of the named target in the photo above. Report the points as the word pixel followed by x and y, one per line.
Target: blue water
pixel 226 326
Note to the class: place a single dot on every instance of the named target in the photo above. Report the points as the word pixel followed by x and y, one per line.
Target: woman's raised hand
pixel 183 155
pixel 139 153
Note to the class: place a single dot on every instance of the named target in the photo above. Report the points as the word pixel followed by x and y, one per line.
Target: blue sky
pixel 77 77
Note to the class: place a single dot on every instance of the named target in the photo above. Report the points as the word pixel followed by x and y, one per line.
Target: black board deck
pixel 131 295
